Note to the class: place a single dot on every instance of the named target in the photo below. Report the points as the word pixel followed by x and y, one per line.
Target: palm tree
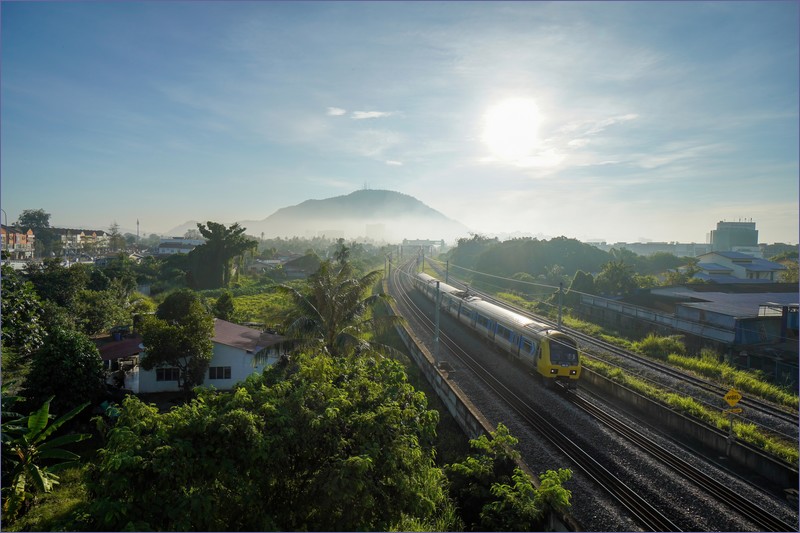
pixel 334 312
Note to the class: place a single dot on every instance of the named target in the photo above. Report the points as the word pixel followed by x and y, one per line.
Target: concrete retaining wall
pixel 468 417
pixel 668 421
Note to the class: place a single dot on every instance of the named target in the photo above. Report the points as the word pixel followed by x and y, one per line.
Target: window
pixel 219 372
pixel 167 374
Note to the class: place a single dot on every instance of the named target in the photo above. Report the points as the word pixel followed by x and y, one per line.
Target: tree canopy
pixel 179 335
pixel 67 366
pixel 320 443
pixel 211 262
pixel 333 312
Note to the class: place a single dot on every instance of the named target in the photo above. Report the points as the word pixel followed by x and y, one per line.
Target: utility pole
pixel 436 328
pixel 137 234
pixel 447 272
pixel 560 301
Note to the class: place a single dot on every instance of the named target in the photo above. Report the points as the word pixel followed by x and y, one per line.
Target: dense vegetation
pixel 332 438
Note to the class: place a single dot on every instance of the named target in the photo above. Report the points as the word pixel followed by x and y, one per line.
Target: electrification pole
pixel 447 272
pixel 560 301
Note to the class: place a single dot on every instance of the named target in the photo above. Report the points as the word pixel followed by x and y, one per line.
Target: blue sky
pixel 623 121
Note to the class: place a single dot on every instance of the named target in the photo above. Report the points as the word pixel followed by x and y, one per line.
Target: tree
pixel 179 335
pixel 39 221
pixel 616 279
pixel 21 314
pixel 790 275
pixel 211 262
pixel 116 241
pixel 98 311
pixel 341 252
pixel 68 367
pixel 333 311
pixel 496 495
pixel 57 283
pixel 223 308
pixel 582 283
pixel 27 445
pixel 321 443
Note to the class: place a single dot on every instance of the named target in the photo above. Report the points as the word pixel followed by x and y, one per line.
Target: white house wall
pixel 241 363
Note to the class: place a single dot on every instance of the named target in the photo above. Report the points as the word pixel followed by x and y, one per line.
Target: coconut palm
pixel 334 312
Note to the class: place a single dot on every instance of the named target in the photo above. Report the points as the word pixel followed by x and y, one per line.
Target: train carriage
pixel 551 353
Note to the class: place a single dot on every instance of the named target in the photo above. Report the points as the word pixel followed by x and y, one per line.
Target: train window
pixel 527 346
pixel 504 332
pixel 563 352
pixel 483 321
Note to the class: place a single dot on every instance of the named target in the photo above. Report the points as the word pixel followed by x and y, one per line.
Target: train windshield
pixel 563 352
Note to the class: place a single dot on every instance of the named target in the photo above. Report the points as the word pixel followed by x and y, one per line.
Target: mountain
pixel 378 214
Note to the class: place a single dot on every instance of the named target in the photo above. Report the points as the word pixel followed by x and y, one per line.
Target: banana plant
pixel 27 445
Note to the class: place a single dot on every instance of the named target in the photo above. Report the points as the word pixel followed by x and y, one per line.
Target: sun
pixel 511 128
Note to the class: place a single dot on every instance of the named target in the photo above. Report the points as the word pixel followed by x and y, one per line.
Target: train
pixel 550 353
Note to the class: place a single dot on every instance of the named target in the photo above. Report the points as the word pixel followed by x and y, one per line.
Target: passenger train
pixel 549 352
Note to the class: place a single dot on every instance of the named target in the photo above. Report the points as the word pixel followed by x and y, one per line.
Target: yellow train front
pixel 550 353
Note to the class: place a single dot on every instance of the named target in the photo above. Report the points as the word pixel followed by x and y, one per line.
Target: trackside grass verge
pixel 745 432
pixel 743 381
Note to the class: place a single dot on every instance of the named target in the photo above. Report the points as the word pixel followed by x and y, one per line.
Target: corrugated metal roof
pixel 714 266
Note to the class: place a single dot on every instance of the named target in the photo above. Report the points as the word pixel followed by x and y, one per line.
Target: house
pixel 302 267
pixel 18 244
pixel 737 267
pixel 232 360
pixel 174 247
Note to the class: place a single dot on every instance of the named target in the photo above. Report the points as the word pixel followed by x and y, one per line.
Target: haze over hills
pixel 378 214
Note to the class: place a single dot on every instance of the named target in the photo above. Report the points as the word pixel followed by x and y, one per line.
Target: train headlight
pixel 573 372
pixel 554 371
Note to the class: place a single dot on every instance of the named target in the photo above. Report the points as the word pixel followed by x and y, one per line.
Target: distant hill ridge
pixel 401 215
pixel 367 203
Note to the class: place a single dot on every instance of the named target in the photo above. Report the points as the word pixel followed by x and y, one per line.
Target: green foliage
pixel 615 279
pixel 660 347
pixel 98 311
pixel 57 283
pixel 582 283
pixel 321 443
pixel 493 494
pixel 223 308
pixel 745 381
pixel 540 258
pixel 211 262
pixel 785 450
pixel 179 335
pixel 68 367
pixel 332 313
pixel 21 314
pixel 29 451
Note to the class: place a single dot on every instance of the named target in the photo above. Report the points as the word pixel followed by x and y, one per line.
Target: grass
pixel 745 432
pixel 63 509
pixel 744 381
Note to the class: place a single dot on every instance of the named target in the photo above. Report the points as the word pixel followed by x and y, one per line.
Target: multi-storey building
pixel 735 237
pixel 18 244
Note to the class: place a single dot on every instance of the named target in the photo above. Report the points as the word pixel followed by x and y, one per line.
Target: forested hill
pixel 402 216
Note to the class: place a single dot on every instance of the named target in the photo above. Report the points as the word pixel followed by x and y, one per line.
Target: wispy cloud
pixel 361 115
pixel 393 163
pixel 336 111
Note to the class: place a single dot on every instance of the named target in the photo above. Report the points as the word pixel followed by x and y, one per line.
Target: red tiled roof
pixel 123 348
pixel 242 337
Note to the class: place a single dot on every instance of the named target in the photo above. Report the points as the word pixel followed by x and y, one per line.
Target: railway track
pixel 784 417
pixel 643 512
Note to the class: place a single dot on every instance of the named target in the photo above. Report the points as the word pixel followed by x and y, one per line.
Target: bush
pixel 660 347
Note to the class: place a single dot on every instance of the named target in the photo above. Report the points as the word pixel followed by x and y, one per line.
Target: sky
pixel 611 121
